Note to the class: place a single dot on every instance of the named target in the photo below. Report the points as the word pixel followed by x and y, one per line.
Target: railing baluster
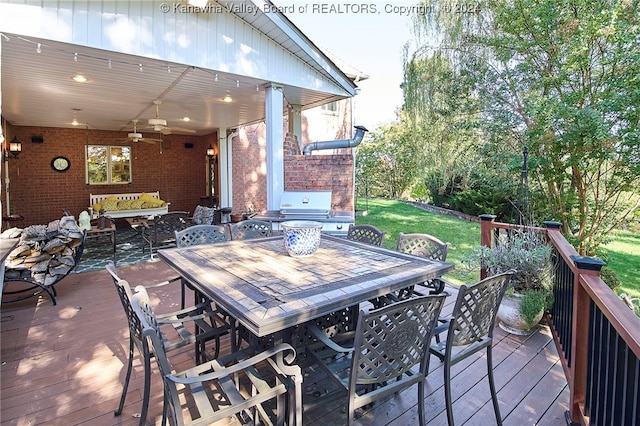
pixel 596 334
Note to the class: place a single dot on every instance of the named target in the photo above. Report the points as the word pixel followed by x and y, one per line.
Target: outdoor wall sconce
pixel 15 148
pixel 211 153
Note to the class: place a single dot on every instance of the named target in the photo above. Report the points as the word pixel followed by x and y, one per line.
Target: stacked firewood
pixel 45 253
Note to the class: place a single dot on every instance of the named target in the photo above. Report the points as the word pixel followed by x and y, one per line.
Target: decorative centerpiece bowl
pixel 301 237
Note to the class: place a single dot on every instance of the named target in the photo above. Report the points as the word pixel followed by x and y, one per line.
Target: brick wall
pixel 40 194
pixel 301 173
pixel 322 173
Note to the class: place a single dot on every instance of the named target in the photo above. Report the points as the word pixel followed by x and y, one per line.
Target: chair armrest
pixel 221 371
pixel 162 283
pixel 318 334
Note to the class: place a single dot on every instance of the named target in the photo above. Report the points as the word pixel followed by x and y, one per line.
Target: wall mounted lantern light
pixel 15 148
pixel 211 152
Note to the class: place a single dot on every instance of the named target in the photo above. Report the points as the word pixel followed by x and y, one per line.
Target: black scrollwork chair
pixel 248 229
pixel 469 330
pixel 239 384
pixel 366 234
pixel 427 246
pixel 201 318
pixel 195 235
pixel 161 231
pixel 388 351
pixel 200 234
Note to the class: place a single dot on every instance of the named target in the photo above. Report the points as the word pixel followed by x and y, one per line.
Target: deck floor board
pixel 64 365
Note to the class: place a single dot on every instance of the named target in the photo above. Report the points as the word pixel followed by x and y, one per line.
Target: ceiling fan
pixel 160 125
pixel 137 137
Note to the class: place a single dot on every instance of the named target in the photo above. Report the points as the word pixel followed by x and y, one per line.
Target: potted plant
pixel 529 292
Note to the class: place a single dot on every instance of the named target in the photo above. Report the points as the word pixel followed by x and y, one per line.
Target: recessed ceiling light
pixel 227 98
pixel 75 122
pixel 186 119
pixel 79 78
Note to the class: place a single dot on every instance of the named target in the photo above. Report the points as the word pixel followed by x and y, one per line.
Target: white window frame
pixel 109 166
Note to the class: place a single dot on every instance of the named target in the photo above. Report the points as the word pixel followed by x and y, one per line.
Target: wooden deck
pixel 64 365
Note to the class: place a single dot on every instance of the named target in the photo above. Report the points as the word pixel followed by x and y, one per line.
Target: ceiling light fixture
pixel 79 78
pixel 227 98
pixel 186 119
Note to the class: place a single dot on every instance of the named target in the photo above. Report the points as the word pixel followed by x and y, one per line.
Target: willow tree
pixel 441 114
pixel 563 77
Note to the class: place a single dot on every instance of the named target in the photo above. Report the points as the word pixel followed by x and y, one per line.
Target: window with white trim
pixel 108 164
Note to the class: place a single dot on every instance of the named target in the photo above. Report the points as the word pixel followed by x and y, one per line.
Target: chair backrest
pixel 248 229
pixel 366 234
pixel 200 234
pixel 423 245
pixel 475 310
pixel 124 292
pixel 391 340
pixel 169 222
pixel 151 333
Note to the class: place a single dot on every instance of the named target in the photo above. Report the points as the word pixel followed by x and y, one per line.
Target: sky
pixel 370 37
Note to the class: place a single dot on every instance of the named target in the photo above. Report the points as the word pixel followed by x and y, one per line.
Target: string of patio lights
pixel 110 63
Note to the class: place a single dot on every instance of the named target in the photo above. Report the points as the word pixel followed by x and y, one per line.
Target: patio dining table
pixel 268 291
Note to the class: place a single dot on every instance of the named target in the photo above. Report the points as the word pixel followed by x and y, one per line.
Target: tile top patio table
pixel 268 291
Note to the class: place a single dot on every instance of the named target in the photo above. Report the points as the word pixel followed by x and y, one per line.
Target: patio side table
pixel 110 230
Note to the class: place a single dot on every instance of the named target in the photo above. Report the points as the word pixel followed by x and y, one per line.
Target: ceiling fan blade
pixel 150 140
pixel 180 129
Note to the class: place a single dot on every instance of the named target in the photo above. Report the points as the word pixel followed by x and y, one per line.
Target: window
pixel 108 164
pixel 330 107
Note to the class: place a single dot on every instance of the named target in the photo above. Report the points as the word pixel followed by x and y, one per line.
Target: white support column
pixel 225 165
pixel 274 102
pixel 295 122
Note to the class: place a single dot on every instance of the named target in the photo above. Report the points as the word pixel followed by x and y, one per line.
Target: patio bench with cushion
pixel 127 205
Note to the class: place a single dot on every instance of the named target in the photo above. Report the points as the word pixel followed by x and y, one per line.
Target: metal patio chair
pixel 251 228
pixel 239 384
pixel 469 330
pixel 366 234
pixel 201 318
pixel 387 352
pixel 161 230
pixel 429 247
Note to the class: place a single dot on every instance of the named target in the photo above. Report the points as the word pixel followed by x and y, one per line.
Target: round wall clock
pixel 60 164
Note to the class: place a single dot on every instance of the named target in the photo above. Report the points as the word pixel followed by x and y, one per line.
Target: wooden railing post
pixel 582 303
pixel 486 236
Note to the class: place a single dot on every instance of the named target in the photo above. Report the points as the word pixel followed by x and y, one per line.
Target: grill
pixel 309 205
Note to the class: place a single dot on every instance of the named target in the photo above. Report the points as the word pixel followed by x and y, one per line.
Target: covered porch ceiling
pixel 38 90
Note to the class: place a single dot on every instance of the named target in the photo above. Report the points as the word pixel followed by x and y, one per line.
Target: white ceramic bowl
pixel 301 237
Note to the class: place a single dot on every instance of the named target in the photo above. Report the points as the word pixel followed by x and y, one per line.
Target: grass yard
pixel 623 253
pixel 623 256
pixel 394 217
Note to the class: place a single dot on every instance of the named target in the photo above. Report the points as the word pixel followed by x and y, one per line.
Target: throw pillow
pixel 207 215
pixel 110 205
pixel 136 204
pixel 197 215
pixel 124 205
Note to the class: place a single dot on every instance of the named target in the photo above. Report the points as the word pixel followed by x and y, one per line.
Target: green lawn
pixel 623 253
pixel 623 257
pixel 394 217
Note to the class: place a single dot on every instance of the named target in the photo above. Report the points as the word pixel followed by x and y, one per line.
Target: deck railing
pixel 596 334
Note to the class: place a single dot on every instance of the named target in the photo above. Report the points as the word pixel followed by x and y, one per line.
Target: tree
pixel 563 78
pixel 386 163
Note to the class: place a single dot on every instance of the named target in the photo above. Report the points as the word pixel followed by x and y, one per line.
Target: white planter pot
pixel 510 318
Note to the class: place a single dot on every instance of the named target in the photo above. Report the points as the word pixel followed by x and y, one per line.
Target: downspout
pixel 337 144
